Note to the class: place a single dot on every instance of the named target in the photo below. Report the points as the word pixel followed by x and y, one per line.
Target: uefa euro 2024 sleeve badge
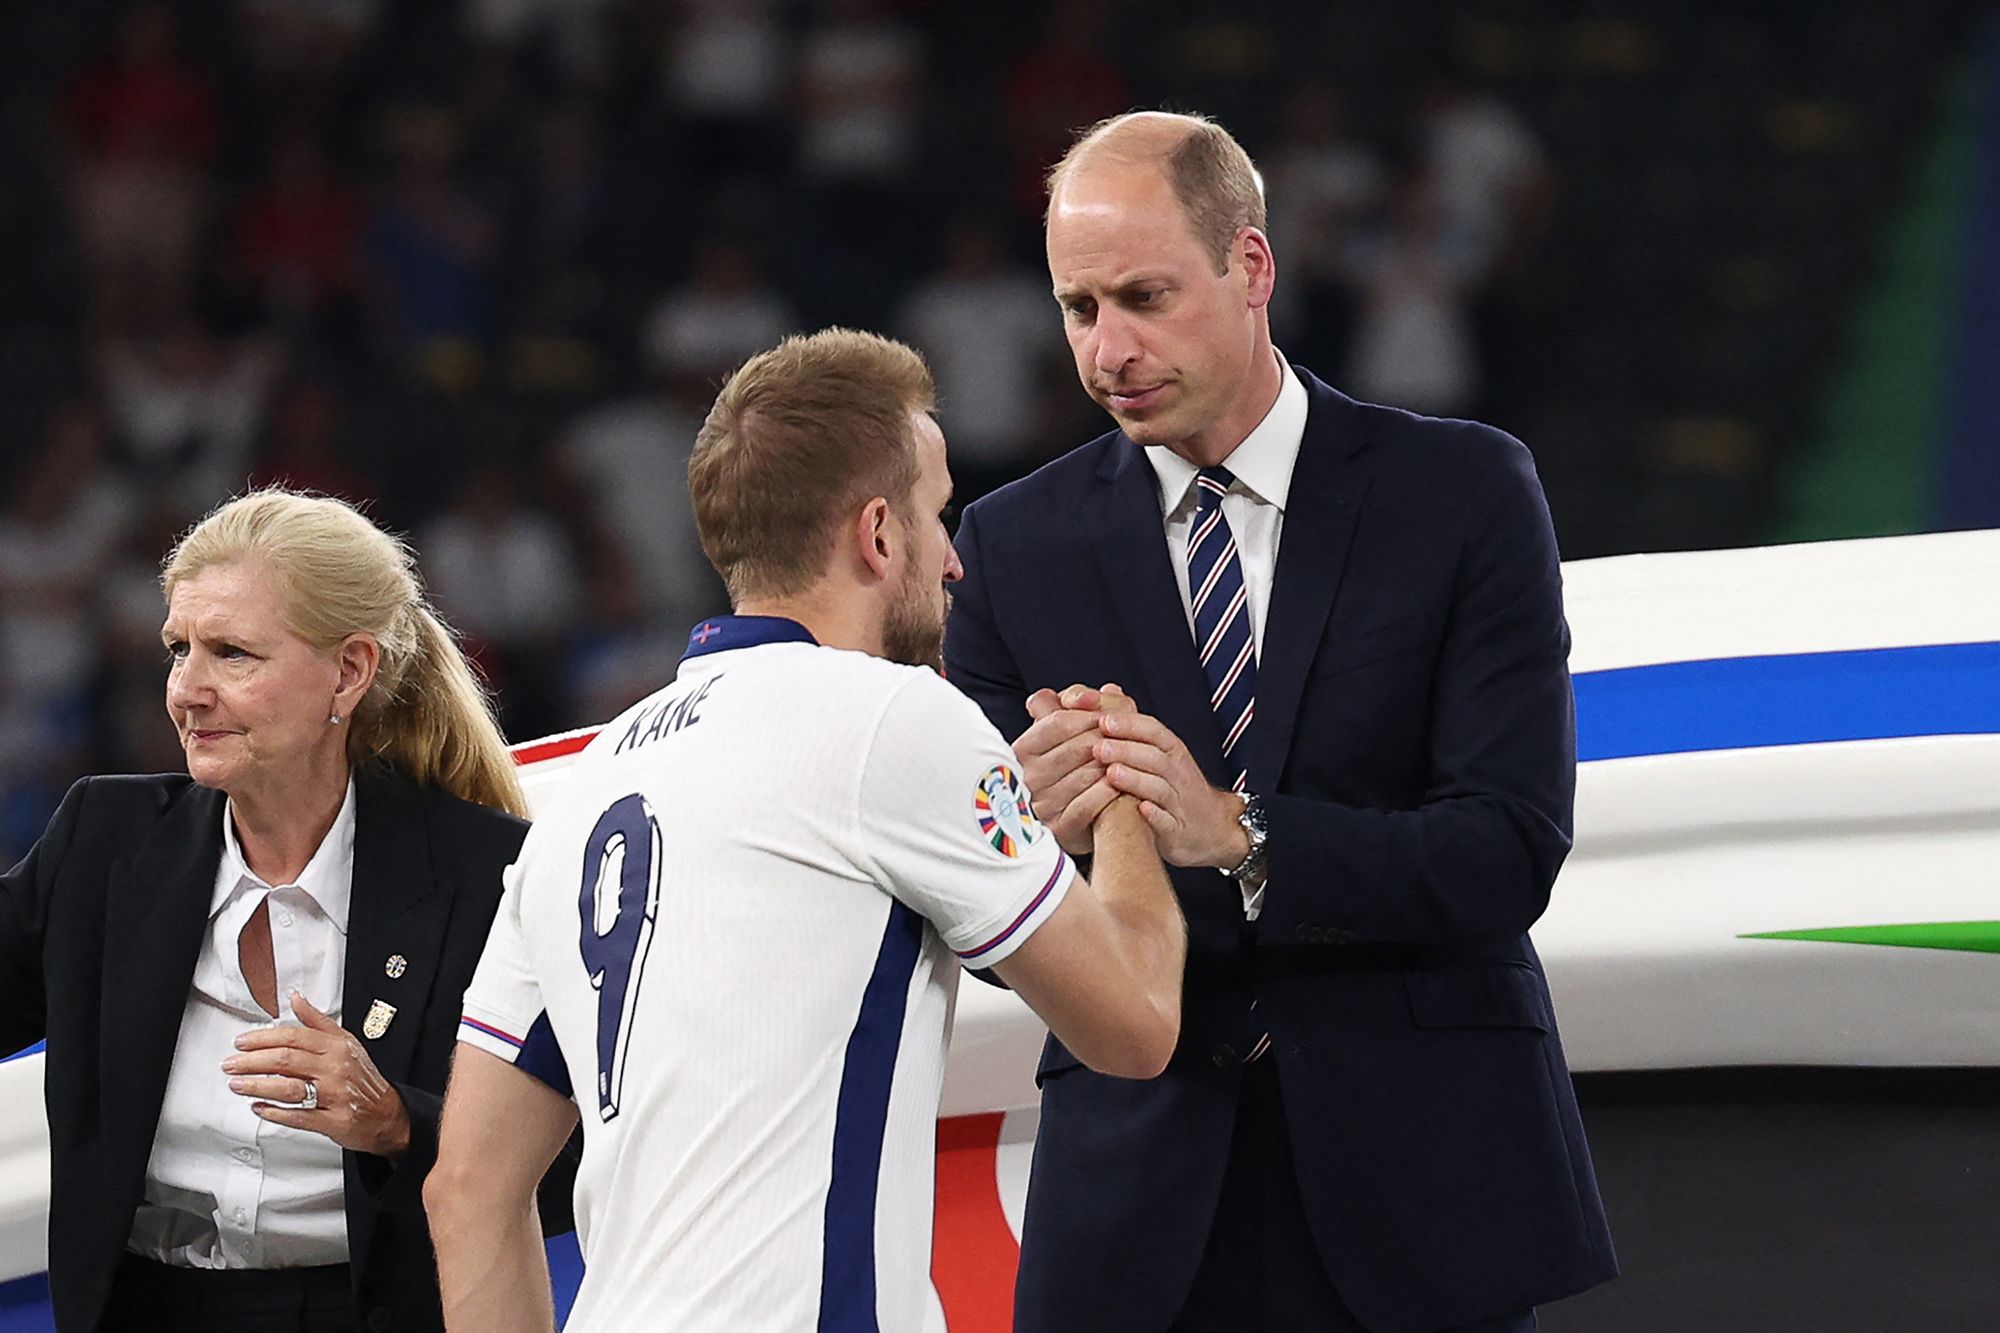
pixel 1006 818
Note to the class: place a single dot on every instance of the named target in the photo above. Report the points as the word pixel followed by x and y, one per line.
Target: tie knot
pixel 1212 483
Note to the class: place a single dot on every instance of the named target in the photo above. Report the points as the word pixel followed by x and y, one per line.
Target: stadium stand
pixel 444 257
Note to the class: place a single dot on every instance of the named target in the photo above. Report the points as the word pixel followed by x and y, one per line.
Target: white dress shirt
pixel 1254 508
pixel 225 1189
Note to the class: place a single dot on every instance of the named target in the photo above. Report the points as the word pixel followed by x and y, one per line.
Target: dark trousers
pixel 1261 1271
pixel 147 1297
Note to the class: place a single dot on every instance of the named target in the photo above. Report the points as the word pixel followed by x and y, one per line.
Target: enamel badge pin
pixel 396 965
pixel 379 1015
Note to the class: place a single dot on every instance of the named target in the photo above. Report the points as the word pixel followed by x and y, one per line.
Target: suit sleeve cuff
pixel 396 1184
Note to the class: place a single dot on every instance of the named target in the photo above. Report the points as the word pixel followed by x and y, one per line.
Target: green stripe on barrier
pixel 1961 936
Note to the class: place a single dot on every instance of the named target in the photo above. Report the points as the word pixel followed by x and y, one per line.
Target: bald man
pixel 1343 626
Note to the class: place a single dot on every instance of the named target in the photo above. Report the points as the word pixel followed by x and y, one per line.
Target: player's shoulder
pixel 794 685
pixel 919 709
pixel 824 674
pixel 894 684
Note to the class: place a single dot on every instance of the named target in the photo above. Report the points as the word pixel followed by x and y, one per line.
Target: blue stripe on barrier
pixel 1741 703
pixel 22 1054
pixel 24 1305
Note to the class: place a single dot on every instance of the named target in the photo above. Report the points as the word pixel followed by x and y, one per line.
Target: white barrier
pixel 1862 790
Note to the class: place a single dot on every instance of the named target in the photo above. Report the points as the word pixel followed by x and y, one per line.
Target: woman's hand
pixel 358 1108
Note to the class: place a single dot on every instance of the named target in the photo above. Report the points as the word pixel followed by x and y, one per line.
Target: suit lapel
pixel 1329 485
pixel 398 911
pixel 1140 579
pixel 156 911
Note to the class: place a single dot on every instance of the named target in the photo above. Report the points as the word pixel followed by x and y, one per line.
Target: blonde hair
pixel 426 716
pixel 1214 180
pixel 797 438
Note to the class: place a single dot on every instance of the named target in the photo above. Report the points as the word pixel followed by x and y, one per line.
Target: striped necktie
pixel 1222 618
pixel 1222 631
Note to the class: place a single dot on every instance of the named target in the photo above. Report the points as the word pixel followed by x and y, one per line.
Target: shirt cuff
pixel 998 946
pixel 495 1037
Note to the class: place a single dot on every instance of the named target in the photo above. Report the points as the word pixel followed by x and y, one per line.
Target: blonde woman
pixel 249 976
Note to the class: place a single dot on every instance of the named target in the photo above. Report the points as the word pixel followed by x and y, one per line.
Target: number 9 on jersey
pixel 620 904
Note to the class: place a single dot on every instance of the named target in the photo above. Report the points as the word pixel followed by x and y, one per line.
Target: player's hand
pixel 1066 782
pixel 1193 823
pixel 358 1108
pixel 1111 698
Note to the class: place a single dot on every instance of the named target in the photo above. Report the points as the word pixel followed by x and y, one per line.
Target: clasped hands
pixel 1086 747
pixel 358 1108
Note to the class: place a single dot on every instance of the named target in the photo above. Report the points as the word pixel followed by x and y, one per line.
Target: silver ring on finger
pixel 310 1102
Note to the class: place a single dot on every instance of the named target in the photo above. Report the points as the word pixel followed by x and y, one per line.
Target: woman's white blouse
pixel 225 1189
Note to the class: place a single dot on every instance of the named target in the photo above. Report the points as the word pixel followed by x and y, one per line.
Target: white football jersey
pixel 738 913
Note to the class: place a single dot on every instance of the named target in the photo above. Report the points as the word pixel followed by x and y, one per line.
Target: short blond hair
pixel 798 438
pixel 1218 186
pixel 427 716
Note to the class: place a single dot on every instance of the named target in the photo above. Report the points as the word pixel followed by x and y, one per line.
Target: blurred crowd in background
pixel 481 266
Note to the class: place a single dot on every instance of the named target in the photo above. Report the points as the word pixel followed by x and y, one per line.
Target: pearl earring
pixel 335 719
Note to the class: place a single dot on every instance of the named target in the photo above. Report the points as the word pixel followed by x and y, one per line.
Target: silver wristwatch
pixel 1258 828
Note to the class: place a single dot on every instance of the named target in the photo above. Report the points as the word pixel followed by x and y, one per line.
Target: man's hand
pixel 358 1108
pixel 1111 699
pixel 1193 823
pixel 1106 970
pixel 1064 778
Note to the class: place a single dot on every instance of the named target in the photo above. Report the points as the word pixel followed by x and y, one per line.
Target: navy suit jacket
pixel 100 927
pixel 1415 748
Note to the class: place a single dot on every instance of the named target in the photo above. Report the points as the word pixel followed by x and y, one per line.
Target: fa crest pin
pixel 396 966
pixel 380 1013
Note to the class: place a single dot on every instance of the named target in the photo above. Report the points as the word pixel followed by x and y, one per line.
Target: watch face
pixel 1252 818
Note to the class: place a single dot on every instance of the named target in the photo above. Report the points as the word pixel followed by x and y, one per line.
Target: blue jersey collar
pixel 722 633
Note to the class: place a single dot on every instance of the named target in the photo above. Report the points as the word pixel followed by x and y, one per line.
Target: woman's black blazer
pixel 99 930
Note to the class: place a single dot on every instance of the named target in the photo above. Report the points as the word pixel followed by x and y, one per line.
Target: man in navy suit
pixel 1343 627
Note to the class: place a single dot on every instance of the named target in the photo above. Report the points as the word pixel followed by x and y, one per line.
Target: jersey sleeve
pixel 504 1002
pixel 949 824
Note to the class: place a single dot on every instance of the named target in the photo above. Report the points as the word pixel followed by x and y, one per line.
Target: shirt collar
pixel 719 634
pixel 328 878
pixel 1263 463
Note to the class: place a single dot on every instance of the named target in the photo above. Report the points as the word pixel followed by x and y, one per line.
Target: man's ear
pixel 874 536
pixel 1260 270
